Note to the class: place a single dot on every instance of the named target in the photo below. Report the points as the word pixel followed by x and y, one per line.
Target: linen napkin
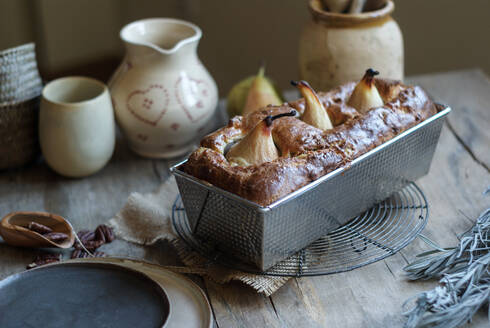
pixel 146 219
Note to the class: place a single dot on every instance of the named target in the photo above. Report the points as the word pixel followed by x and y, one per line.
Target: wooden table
pixel 367 297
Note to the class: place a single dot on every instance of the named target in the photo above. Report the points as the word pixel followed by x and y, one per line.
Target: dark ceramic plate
pixel 82 295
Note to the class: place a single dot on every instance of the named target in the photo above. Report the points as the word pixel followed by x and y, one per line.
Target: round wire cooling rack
pixel 374 235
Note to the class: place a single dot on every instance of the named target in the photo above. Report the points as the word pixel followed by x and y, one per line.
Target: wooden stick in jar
pixel 357 6
pixel 336 6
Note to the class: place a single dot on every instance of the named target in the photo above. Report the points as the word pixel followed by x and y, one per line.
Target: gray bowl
pixel 82 295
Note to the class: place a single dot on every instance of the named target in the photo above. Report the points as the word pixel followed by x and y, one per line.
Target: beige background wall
pixel 81 37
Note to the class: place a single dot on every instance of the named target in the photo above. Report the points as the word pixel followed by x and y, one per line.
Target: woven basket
pixel 19 76
pixel 18 133
pixel 20 88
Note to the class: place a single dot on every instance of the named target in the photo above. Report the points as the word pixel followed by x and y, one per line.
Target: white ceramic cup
pixel 76 125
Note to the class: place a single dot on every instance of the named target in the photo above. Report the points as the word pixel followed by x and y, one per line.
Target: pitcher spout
pixel 159 37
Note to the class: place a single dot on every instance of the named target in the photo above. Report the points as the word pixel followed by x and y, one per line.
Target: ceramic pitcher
pixel 336 48
pixel 162 94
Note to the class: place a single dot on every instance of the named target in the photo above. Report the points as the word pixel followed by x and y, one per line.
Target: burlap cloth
pixel 145 219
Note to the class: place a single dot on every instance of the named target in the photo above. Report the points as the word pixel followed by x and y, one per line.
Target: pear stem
pixel 261 72
pixel 269 119
pixel 301 83
pixel 370 74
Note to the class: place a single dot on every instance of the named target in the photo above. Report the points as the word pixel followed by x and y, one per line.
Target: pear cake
pixel 276 150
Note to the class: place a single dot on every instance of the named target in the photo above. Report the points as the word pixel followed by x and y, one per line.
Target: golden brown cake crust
pixel 308 153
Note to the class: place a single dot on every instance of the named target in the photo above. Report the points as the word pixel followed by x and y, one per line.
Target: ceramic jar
pixel 76 126
pixel 162 94
pixel 336 48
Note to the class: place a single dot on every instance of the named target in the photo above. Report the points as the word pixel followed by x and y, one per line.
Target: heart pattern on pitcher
pixel 148 105
pixel 193 95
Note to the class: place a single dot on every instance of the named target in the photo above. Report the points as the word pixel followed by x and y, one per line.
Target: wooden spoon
pixel 13 231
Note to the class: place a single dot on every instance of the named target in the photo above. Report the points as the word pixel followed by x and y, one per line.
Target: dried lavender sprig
pixel 473 244
pixel 465 283
pixel 455 302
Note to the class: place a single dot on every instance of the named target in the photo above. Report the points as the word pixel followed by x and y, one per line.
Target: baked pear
pixel 365 95
pixel 257 146
pixel 314 114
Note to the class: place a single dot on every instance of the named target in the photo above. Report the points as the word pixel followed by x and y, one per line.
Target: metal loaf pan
pixel 265 235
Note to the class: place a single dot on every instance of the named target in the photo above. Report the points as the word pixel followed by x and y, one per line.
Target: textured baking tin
pixel 264 235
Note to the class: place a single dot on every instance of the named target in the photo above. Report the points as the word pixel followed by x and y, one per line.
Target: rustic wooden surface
pixel 371 296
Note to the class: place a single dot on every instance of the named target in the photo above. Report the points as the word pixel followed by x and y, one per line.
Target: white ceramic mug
pixel 76 125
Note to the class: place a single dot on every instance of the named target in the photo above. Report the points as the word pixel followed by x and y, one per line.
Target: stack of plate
pixel 102 292
pixel 20 88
